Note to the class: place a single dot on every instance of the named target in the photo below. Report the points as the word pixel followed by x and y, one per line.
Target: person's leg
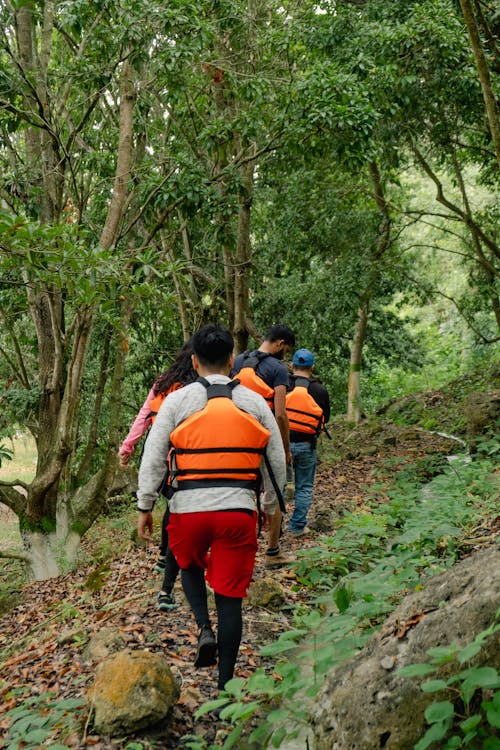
pixel 230 627
pixel 189 537
pixel 166 598
pixel 171 572
pixel 304 462
pixel 229 572
pixel 275 530
pixel 193 583
pixel 164 533
pixel 161 562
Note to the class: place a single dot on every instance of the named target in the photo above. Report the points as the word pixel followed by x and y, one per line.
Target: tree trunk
pixel 86 461
pixel 51 522
pixel 243 260
pixel 484 74
pixel 354 383
pixel 382 245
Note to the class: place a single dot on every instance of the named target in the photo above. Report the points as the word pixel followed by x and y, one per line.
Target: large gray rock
pixel 132 690
pixel 365 705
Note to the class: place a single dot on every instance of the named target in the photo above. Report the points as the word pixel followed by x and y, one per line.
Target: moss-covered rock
pixel 132 690
pixel 267 593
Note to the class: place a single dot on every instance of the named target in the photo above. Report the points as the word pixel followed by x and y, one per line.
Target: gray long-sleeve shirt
pixel 175 409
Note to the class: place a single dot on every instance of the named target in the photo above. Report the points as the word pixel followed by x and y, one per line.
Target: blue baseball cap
pixel 303 357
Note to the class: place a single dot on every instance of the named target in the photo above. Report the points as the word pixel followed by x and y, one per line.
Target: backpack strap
pixel 301 381
pixel 218 390
pixel 277 489
pixel 253 359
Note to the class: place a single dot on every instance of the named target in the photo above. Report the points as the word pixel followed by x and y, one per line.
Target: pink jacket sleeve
pixel 139 427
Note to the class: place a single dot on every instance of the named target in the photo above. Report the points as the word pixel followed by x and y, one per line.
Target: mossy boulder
pixel 132 690
pixel 267 593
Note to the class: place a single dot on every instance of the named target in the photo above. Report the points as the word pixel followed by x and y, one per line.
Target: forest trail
pixel 43 638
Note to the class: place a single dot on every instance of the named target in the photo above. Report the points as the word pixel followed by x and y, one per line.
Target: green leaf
pixel 493 716
pixel 342 597
pixel 416 670
pixel 491 743
pixel 432 686
pixel 440 711
pixel 470 723
pixel 442 654
pixel 433 734
pixel 482 677
pixel 467 653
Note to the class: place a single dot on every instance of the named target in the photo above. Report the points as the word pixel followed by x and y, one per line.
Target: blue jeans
pixel 304 465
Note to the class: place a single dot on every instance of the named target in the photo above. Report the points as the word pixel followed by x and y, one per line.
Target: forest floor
pixel 43 638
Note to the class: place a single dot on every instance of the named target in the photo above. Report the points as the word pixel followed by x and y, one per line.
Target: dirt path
pixel 43 640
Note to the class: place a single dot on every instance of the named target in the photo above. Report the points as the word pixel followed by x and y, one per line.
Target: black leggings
pixel 229 620
pixel 171 566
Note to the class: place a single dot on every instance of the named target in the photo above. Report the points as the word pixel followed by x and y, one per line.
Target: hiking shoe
pixel 159 566
pixel 300 532
pixel 166 601
pixel 277 561
pixel 206 654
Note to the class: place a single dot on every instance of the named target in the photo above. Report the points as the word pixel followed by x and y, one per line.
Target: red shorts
pixel 224 542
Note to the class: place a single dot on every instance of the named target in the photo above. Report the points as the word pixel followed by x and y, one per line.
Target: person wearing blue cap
pixel 308 409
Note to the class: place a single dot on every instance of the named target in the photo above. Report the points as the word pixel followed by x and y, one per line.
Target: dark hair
pixel 280 332
pixel 213 345
pixel 180 371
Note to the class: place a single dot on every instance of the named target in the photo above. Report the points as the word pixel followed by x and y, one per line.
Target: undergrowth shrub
pixel 356 577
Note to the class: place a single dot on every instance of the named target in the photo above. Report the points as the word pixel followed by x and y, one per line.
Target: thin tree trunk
pixel 476 241
pixel 122 173
pixel 484 74
pixel 354 383
pixel 358 340
pixel 243 260
pixel 98 401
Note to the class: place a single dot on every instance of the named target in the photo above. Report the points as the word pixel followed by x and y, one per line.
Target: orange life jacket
pixel 156 401
pixel 217 446
pixel 249 378
pixel 304 414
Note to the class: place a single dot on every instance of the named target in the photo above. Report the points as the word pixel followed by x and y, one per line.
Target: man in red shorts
pixel 216 432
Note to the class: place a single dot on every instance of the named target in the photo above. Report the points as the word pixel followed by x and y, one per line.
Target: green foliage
pixel 358 576
pixel 39 718
pixel 6 453
pixel 462 719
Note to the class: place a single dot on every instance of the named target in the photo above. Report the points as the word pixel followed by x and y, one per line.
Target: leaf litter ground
pixel 43 639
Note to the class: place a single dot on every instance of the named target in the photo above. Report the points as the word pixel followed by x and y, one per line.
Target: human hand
pixel 123 459
pixel 145 526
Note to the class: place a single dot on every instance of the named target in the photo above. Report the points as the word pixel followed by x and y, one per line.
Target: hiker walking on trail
pixel 264 372
pixel 219 437
pixel 179 374
pixel 308 409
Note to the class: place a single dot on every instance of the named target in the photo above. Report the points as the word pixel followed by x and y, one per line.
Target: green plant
pixel 361 573
pixel 464 718
pixel 6 454
pixel 39 718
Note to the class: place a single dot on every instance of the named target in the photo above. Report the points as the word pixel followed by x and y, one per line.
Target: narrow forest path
pixel 43 639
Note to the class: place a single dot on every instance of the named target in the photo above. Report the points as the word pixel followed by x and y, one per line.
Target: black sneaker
pixel 166 602
pixel 206 654
pixel 159 566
